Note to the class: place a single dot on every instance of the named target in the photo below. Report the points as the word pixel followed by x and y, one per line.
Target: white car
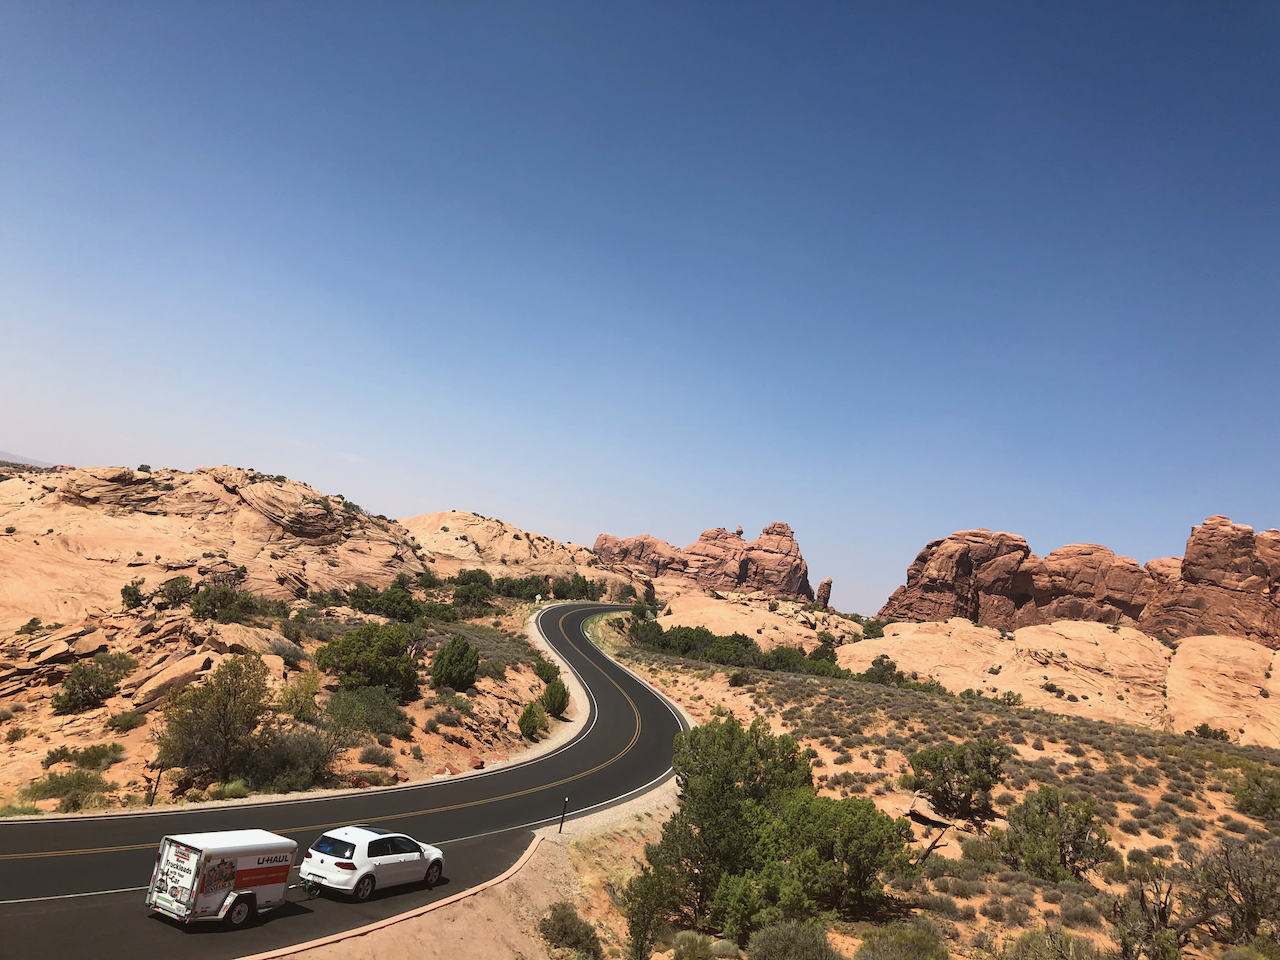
pixel 359 859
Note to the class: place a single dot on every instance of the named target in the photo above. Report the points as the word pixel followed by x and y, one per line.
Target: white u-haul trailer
pixel 226 875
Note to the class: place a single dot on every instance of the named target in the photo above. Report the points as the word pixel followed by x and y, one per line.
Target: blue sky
pixel 882 271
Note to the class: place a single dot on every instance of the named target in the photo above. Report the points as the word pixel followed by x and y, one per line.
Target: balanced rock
pixel 1228 583
pixel 824 593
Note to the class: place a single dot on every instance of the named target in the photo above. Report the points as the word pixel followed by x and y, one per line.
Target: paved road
pixel 482 822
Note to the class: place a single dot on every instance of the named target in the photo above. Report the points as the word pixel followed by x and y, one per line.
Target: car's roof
pixel 359 833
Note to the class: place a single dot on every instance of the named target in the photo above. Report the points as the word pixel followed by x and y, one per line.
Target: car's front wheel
pixel 433 873
pixel 364 888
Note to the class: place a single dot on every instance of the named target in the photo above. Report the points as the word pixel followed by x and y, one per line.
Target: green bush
pixel 1206 732
pixel 211 728
pixel 691 945
pixel 545 669
pixel 290 653
pixel 298 696
pixel 373 655
pixel 99 756
pixel 533 719
pixel 223 603
pixel 126 720
pixel 475 596
pixel 284 761
pixel 954 774
pixel 368 710
pixel 65 784
pixel 578 587
pixel 790 940
pixel 563 928
pixel 1050 943
pixel 92 682
pixel 901 943
pixel 131 594
pixel 378 756
pixel 1053 837
pixel 555 698
pixel 455 665
pixel 19 810
pixel 1258 795
pixel 494 669
pixel 176 591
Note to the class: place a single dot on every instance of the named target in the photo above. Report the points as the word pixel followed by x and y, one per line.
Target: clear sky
pixel 883 271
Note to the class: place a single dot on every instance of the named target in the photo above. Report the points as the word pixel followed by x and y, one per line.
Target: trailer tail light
pixel 345 865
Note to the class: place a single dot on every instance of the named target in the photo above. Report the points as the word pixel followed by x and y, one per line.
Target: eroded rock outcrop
pixel 1228 583
pixel 824 593
pixel 718 560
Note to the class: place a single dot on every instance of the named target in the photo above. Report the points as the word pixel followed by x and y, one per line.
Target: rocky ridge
pixel 718 560
pixel 71 540
pixel 1227 583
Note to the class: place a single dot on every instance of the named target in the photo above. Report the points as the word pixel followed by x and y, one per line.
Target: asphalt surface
pixel 56 875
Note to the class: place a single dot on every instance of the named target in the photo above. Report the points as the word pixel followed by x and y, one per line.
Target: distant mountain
pixel 18 458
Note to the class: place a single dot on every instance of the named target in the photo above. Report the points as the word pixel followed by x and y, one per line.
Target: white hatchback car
pixel 359 859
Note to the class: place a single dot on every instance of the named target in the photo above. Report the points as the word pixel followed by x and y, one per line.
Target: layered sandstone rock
pixel 79 536
pixel 1228 583
pixel 718 560
pixel 824 593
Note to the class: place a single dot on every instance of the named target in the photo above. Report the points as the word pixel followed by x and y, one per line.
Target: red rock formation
pixel 719 560
pixel 1228 583
pixel 824 593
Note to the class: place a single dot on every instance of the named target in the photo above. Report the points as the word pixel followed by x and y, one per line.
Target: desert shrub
pixel 1234 887
pixel 494 669
pixel 378 756
pixel 131 594
pixel 1076 913
pixel 473 596
pixel 533 718
pixel 224 603
pixel 448 718
pixel 1258 794
pixel 1052 837
pixel 455 665
pixel 953 774
pixel 19 810
pixel 578 587
pixel 691 945
pixel 555 698
pixel 368 710
pixel 126 720
pixel 790 940
pixel 563 928
pixel 235 790
pixel 298 696
pixel 284 761
pixel 65 784
pixel 940 904
pixel 15 734
pixel 210 728
pixel 1206 732
pixel 1050 943
pixel 901 943
pixel 522 588
pixel 545 669
pixel 373 655
pixel 738 679
pixel 290 653
pixel 91 682
pixel 176 591
pixel 99 756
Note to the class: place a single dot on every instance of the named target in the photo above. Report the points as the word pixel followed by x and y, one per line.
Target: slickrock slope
pixel 453 540
pixel 1116 674
pixel 79 536
pixel 1228 584
pixel 719 560
pixel 788 625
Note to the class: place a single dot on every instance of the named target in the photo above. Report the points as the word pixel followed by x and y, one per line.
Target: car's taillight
pixel 345 865
pixel 308 854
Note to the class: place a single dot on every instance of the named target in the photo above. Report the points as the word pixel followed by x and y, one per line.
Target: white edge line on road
pixel 621 798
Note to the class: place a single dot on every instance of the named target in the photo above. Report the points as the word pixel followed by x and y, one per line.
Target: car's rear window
pixel 333 847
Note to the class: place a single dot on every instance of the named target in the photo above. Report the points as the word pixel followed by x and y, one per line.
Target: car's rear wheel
pixel 433 873
pixel 240 913
pixel 364 887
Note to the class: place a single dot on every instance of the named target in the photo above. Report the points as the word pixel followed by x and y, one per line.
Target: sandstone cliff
pixel 1228 583
pixel 69 541
pixel 719 560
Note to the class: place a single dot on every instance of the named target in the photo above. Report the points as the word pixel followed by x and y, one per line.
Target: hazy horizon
pixel 883 273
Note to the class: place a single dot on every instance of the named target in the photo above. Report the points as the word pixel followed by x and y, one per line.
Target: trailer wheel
pixel 364 888
pixel 433 874
pixel 240 913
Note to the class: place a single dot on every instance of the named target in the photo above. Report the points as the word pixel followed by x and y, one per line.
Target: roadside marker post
pixel 562 815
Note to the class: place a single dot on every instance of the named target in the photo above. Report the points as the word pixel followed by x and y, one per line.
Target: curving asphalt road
pixel 68 886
